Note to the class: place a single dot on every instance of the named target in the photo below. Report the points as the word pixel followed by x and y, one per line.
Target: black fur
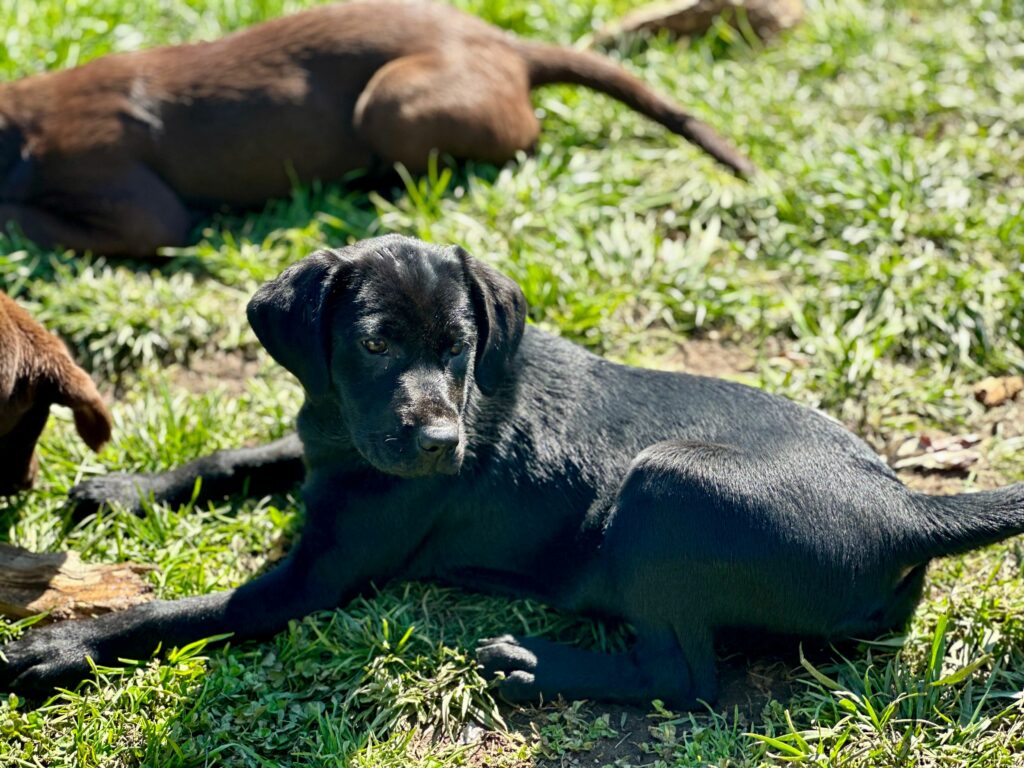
pixel 684 505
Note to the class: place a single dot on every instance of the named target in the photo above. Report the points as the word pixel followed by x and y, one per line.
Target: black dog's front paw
pixel 119 488
pixel 517 664
pixel 46 658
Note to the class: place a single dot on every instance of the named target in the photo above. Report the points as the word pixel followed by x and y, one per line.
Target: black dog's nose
pixel 435 439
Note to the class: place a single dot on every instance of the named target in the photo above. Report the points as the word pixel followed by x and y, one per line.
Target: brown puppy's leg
pixel 57 379
pixel 36 370
pixel 18 462
pixel 52 230
pixel 472 103
pixel 65 384
pixel 130 215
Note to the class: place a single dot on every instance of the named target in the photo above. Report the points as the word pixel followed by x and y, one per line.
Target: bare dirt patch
pixel 563 735
pixel 203 373
pixel 708 356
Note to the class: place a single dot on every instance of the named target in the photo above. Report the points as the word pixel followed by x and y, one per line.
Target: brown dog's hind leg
pixel 132 214
pixel 472 103
pixel 18 461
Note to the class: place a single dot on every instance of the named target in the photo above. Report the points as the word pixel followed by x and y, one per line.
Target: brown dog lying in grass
pixel 36 371
pixel 117 156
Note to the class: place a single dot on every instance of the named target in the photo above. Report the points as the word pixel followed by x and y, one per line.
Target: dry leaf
pixel 946 453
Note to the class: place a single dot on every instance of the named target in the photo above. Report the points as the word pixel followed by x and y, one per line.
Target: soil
pixel 229 370
pixel 709 357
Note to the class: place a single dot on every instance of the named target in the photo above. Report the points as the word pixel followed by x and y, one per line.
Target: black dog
pixel 442 441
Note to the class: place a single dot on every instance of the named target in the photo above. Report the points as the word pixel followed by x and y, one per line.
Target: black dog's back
pixel 721 483
pixel 579 410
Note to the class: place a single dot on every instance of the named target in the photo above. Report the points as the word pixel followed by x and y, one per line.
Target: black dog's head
pixel 391 335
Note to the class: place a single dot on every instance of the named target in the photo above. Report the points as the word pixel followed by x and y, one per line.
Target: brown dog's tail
pixel 554 64
pixel 75 390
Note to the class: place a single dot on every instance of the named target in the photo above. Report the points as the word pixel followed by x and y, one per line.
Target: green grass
pixel 874 270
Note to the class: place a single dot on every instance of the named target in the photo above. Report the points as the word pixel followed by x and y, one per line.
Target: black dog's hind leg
pixel 271 468
pixel 655 667
pixel 677 511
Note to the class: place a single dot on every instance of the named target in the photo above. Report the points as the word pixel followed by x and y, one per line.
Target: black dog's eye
pixel 456 349
pixel 375 346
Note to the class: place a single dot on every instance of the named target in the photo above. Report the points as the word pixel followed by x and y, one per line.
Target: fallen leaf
pixel 944 453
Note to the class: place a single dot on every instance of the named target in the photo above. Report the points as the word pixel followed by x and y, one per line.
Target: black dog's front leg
pixel 56 655
pixel 260 470
pixel 330 564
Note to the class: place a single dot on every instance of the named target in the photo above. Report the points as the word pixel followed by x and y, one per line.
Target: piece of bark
pixel 694 17
pixel 59 582
pixel 996 390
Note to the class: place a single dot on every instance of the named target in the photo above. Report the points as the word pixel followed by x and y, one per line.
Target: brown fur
pixel 116 155
pixel 36 371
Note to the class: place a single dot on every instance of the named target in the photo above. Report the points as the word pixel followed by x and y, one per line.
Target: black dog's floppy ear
pixel 500 309
pixel 288 316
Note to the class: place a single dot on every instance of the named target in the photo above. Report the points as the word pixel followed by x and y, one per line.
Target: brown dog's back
pixel 121 146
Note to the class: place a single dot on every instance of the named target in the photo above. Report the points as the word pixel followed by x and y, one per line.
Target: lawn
pixel 874 270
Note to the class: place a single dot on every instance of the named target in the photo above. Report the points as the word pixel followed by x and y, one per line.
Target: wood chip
pixel 59 582
pixel 996 390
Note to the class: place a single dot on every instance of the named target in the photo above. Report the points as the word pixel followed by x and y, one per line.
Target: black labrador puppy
pixel 443 441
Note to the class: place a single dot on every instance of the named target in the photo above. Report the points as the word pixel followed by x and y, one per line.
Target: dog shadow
pixel 332 213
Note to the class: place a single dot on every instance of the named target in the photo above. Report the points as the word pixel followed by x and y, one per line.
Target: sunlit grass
pixel 881 248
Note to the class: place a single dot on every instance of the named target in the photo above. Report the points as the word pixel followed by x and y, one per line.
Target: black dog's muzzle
pixel 438 447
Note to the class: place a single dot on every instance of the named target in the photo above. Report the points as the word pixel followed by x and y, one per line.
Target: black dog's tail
pixel 554 64
pixel 951 525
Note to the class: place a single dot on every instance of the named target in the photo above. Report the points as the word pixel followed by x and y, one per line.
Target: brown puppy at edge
pixel 117 156
pixel 36 371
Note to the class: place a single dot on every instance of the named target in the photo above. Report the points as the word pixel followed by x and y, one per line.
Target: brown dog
pixel 116 156
pixel 35 372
